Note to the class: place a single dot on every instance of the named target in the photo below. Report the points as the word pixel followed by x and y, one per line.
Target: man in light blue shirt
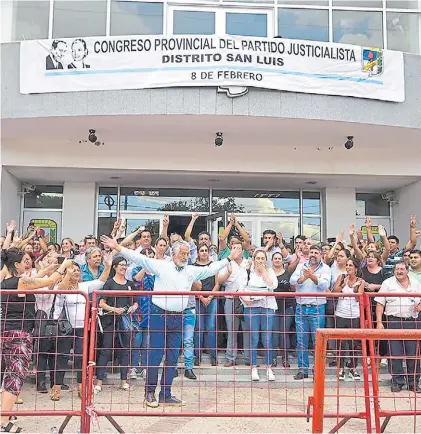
pixel 311 277
pixel 166 312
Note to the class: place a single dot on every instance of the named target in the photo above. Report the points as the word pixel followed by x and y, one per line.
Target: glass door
pixel 216 224
pixel 152 222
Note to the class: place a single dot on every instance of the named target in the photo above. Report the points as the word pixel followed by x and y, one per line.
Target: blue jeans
pixel 233 325
pixel 165 337
pixel 307 320
pixel 137 343
pixel 189 323
pixel 260 323
pixel 282 322
pixel 206 322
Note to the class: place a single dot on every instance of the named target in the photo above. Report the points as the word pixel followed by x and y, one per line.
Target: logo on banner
pixel 233 91
pixel 372 61
pixel 63 56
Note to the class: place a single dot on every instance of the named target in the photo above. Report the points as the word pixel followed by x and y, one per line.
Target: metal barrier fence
pixel 402 358
pixel 230 391
pixel 223 391
pixel 319 385
pixel 45 356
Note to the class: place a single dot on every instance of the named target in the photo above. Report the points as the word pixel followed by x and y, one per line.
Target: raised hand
pixel 382 231
pixel 280 238
pixel 368 222
pixel 195 216
pixel 107 258
pixel 11 226
pixel 236 252
pixel 108 242
pixel 352 230
pixel 413 221
pixel 166 220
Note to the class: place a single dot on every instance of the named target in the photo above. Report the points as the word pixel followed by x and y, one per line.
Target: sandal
pixel 19 401
pixel 97 389
pixel 55 393
pixel 126 386
pixel 10 426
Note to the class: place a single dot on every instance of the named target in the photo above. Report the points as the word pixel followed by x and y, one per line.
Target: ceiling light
pixel 311 182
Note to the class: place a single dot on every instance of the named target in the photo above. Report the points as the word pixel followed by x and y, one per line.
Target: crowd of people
pixel 139 330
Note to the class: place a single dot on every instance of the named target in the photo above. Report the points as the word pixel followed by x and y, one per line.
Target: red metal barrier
pixel 384 395
pixel 319 385
pixel 283 398
pixel 78 410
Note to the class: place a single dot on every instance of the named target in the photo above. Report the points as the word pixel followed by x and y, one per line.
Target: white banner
pixel 132 62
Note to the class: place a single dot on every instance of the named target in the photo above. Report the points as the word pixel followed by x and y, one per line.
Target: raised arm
pixel 187 235
pixel 370 236
pixel 11 227
pixel 36 283
pixel 152 265
pixel 386 244
pixel 165 224
pixel 331 252
pixel 284 251
pixel 358 252
pixel 131 236
pixel 223 237
pixel 108 259
pixel 293 265
pixel 412 243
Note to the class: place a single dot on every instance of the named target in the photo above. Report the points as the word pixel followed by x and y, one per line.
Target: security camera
pixel 219 140
pixel 349 144
pixel 389 196
pixel 92 136
pixel 28 187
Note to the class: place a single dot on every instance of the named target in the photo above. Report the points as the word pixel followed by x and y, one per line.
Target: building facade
pixel 282 165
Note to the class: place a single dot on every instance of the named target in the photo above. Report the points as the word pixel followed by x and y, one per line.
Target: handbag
pixel 238 305
pixel 57 327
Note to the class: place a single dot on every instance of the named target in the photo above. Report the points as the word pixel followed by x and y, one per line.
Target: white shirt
pixel 44 301
pixel 348 307
pixel 257 284
pixel 75 303
pixel 170 278
pixel 324 276
pixel 399 306
pixel 238 278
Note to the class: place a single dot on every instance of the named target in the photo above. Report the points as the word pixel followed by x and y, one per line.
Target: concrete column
pixel 339 210
pixel 10 200
pixel 408 203
pixel 79 203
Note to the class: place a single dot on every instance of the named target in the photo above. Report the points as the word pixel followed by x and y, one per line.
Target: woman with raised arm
pixel 18 321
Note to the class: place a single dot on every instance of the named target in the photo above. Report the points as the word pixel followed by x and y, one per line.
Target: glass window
pixel 372 204
pixel 403 4
pixel 163 199
pixel 246 24
pixel 403 31
pixel 358 3
pixel 27 19
pixel 150 224
pixel 107 198
pixel 45 196
pixel 194 23
pixel 311 202
pixel 136 18
pixel 289 226
pixel 106 223
pixel 305 2
pixel 358 27
pixel 307 24
pixel 312 228
pixel 76 19
pixel 258 202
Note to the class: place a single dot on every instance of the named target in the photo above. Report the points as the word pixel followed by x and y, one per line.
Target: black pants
pixel 64 345
pixel 400 350
pixel 45 361
pixel 348 347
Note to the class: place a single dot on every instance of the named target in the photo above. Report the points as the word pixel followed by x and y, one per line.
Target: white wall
pixel 339 210
pixel 409 203
pixel 78 209
pixel 9 200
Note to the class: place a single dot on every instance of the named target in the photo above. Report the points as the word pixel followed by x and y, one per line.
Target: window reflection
pixel 372 204
pixel 194 23
pixel 246 24
pixel 151 225
pixel 45 196
pixel 106 223
pixel 136 18
pixel 312 228
pixel 75 19
pixel 403 30
pixel 358 27
pixel 29 19
pixel 164 199
pixel 258 202
pixel 107 199
pixel 311 202
pixel 307 24
pixel 404 4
